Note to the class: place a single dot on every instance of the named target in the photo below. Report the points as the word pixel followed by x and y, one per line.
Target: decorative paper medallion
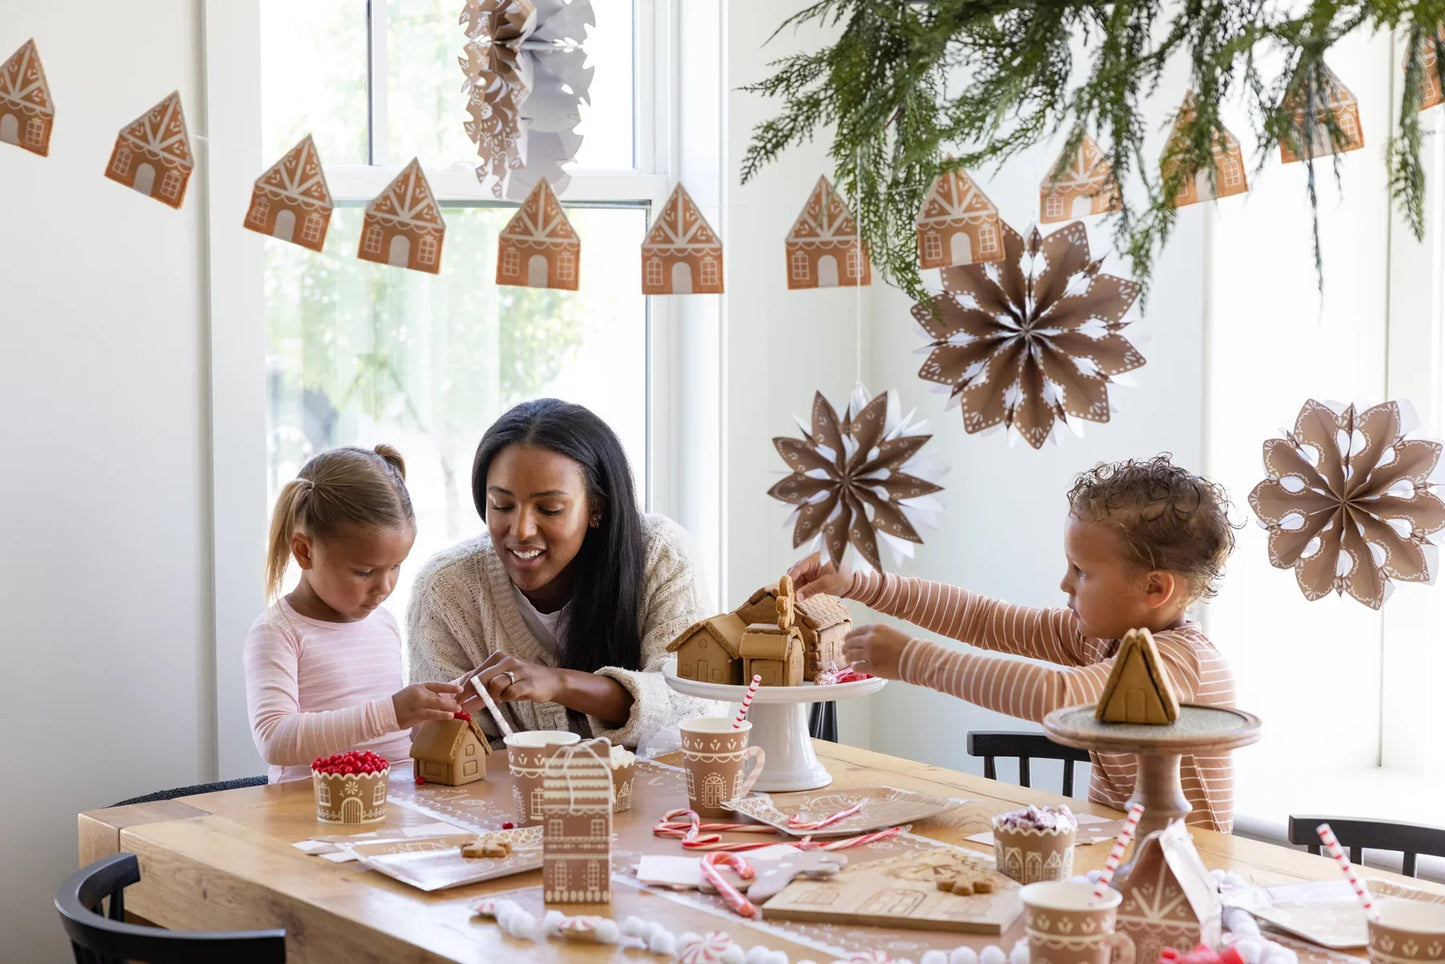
pixel 538 248
pixel 681 254
pixel 1313 98
pixel 526 79
pixel 1085 185
pixel 1431 51
pixel 858 477
pixel 26 111
pixel 153 153
pixel 1349 502
pixel 1227 175
pixel 957 224
pixel 1025 347
pixel 292 194
pixel 823 247
pixel 403 225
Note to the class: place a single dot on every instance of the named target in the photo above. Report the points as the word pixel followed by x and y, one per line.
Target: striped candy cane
pixel 747 702
pixel 1332 844
pixel 739 904
pixel 1116 853
pixel 795 822
pixel 808 843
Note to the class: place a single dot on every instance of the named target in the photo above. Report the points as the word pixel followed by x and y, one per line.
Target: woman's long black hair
pixel 605 627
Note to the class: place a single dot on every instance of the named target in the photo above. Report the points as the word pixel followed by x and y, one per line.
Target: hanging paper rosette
pixel 526 79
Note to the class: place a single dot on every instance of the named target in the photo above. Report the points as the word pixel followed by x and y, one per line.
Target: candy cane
pixel 795 822
pixel 1332 844
pixel 703 845
pixel 808 843
pixel 747 702
pixel 1116 853
pixel 740 905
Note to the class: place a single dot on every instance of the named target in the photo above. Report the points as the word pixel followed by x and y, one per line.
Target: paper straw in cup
pixel 747 701
pixel 1116 853
pixel 1332 844
pixel 492 707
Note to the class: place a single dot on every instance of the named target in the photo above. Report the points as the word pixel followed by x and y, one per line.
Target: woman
pixel 564 607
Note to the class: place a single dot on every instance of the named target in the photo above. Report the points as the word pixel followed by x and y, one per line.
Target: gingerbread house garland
pixel 291 194
pixel 403 225
pixel 1431 92
pixel 1080 183
pixel 539 248
pixel 957 224
pixel 577 824
pixel 681 254
pixel 152 154
pixel 1309 118
pixel 1223 178
pixel 451 752
pixel 1169 898
pixel 27 112
pixel 823 247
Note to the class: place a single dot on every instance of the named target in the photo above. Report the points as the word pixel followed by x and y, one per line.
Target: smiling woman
pixel 564 607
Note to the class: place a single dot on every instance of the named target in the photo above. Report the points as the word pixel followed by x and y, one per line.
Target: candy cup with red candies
pixel 350 787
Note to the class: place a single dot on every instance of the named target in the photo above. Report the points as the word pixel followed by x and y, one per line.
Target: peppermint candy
pixel 702 949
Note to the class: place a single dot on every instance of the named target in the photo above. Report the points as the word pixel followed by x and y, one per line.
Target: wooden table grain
pixel 224 861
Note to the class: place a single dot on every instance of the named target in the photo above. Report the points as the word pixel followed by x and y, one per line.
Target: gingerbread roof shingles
pixel 23 84
pixel 681 229
pixel 161 133
pixel 540 223
pixel 298 178
pixel 955 199
pixel 825 219
pixel 1087 170
pixel 408 202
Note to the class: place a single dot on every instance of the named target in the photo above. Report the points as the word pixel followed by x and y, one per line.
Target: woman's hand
pixel 509 679
pixel 420 702
pixel 812 576
pixel 875 649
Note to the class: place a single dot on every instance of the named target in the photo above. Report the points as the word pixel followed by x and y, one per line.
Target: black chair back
pixel 1356 835
pixel 991 744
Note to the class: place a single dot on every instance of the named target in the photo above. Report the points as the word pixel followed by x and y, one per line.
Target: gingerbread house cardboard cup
pixel 527 754
pixel 350 797
pixel 1408 932
pixel 623 776
pixel 719 764
pixel 1066 925
pixel 1033 855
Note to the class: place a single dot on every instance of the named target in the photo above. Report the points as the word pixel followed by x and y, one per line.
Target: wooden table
pixel 224 861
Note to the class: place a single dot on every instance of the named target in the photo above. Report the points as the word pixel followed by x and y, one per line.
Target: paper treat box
pixel 27 112
pixel 152 154
pixel 1309 124
pixel 450 752
pixel 1085 185
pixel 577 824
pixel 681 255
pixel 1169 898
pixel 823 247
pixel 1227 165
pixel 957 224
pixel 291 201
pixel 1139 689
pixel 538 248
pixel 403 225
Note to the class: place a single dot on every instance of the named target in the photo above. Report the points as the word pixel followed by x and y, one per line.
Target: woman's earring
pixel 596 521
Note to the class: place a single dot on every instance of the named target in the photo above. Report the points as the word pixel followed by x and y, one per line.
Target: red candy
pixel 1202 954
pixel 462 716
pixel 508 825
pixel 420 781
pixel 352 763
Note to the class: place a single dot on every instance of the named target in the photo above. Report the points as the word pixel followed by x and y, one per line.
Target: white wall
pixel 104 556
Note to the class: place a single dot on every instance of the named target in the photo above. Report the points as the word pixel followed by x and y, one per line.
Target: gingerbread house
pixel 957 224
pixel 450 752
pixel 153 153
pixel 26 111
pixel 822 621
pixel 293 193
pixel 577 824
pixel 773 652
pixel 823 247
pixel 1309 117
pixel 403 225
pixel 1169 898
pixel 1080 183
pixel 1138 689
pixel 707 651
pixel 681 254
pixel 538 248
pixel 1225 176
pixel 1431 93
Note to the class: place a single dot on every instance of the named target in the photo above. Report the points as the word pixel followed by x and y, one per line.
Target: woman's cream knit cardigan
pixel 462 610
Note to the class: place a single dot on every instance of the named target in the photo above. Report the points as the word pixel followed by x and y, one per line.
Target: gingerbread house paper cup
pixel 350 797
pixel 527 754
pixel 1408 932
pixel 719 764
pixel 624 773
pixel 1064 924
pixel 1030 855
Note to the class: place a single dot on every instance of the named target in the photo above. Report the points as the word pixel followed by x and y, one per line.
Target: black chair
pixel 193 790
pixel 991 744
pixel 100 938
pixel 823 721
pixel 1355 835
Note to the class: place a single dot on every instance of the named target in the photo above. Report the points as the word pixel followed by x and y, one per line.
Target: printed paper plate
pixel 882 807
pixel 435 863
pixel 1326 913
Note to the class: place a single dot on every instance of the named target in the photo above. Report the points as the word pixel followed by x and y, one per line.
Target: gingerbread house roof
pixel 766 641
pixel 1224 141
pixel 298 178
pixel 577 779
pixel 439 741
pixel 408 201
pixel 23 84
pixel 540 222
pixel 1085 171
pixel 954 197
pixel 818 612
pixel 1337 95
pixel 1169 883
pixel 726 628
pixel 161 133
pixel 680 228
pixel 1137 669
pixel 825 219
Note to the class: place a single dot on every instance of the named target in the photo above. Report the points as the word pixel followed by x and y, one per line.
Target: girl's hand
pixel 512 680
pixel 812 576
pixel 875 649
pixel 420 702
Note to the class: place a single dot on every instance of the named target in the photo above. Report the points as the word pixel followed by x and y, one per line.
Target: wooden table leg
pixel 1157 787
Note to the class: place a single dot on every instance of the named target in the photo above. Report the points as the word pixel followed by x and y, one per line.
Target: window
pixel 800 266
pixel 35 131
pixel 170 184
pixel 932 246
pixel 373 239
pixel 121 164
pixel 855 262
pixel 566 266
pixel 1054 206
pixel 594 875
pixel 311 231
pixel 987 239
pixel 599 827
pixel 554 827
pixel 427 250
pixel 709 270
pixel 259 210
pixel 654 272
pixel 1231 171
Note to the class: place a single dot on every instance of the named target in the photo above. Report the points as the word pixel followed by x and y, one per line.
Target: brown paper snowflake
pixel 857 477
pixel 1023 345
pixel 1348 502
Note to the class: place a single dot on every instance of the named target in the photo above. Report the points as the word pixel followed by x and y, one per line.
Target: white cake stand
pixel 779 715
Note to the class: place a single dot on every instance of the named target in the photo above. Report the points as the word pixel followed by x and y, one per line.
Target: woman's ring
pixel 511 676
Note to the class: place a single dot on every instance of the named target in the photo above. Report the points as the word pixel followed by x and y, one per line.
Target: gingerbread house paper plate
pixel 882 807
pixel 435 863
pixel 1326 913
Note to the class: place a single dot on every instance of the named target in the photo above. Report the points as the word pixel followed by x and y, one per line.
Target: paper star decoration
pixel 1348 502
pixel 857 477
pixel 1031 339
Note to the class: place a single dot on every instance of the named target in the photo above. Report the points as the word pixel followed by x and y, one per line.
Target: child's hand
pixel 420 702
pixel 812 576
pixel 875 649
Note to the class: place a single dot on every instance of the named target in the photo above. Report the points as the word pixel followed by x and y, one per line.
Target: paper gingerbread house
pixel 823 247
pixel 26 111
pixel 450 752
pixel 1169 898
pixel 681 254
pixel 538 248
pixel 291 194
pixel 153 153
pixel 1226 177
pixel 1138 689
pixel 707 651
pixel 957 224
pixel 710 650
pixel 577 824
pixel 1080 183
pixel 403 225
pixel 822 620
pixel 1309 120
pixel 1431 93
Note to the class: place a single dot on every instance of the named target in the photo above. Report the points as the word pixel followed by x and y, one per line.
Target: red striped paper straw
pixel 1116 853
pixel 1332 844
pixel 747 701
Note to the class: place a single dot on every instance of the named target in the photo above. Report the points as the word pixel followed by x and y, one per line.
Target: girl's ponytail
pixel 392 458
pixel 283 524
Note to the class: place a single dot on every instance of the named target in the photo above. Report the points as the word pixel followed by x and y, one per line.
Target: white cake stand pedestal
pixel 779 715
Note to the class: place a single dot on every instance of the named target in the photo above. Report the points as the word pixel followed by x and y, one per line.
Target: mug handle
pixel 1123 948
pixel 753 760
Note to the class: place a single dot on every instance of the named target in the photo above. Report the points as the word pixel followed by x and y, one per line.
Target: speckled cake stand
pixel 1199 729
pixel 779 715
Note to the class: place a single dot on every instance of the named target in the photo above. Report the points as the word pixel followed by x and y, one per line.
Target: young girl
pixel 1143 541
pixel 323 664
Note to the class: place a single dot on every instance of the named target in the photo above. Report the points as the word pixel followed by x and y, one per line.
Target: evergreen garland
pixel 884 86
